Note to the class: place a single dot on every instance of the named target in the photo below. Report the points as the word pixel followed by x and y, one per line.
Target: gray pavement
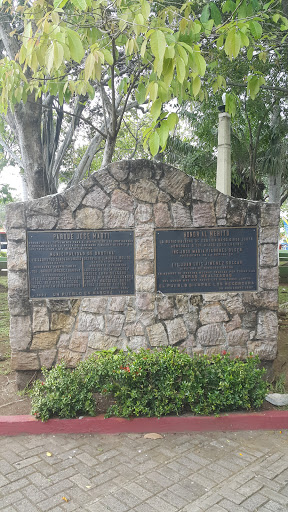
pixel 215 472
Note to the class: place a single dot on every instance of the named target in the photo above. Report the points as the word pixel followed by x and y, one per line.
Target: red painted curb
pixel 270 420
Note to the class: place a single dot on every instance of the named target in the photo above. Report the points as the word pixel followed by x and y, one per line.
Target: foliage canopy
pixel 130 54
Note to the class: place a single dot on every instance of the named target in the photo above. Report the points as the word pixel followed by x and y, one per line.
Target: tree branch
pixel 10 43
pixel 79 117
pixel 78 109
pixel 87 158
pixel 264 87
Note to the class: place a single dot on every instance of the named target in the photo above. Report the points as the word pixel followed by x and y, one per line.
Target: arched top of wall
pixel 122 194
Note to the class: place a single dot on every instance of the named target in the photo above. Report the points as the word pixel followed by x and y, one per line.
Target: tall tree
pixel 63 62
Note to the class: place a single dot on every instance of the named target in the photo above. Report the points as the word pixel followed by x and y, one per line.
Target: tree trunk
pixel 109 150
pixel 275 188
pixel 28 126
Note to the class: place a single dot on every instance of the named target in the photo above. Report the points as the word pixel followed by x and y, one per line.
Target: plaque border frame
pixel 77 296
pixel 203 228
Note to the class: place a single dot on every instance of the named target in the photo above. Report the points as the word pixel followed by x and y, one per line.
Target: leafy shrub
pixel 151 383
pixel 143 384
pixel 63 393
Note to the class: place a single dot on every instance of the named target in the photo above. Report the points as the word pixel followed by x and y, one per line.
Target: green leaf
pixel 187 46
pixel 168 71
pixel 58 55
pixel 233 43
pixel 196 86
pixel 140 93
pixel 55 17
pixel 198 63
pixel 284 24
pixel 154 143
pixel 75 45
pixel 27 33
pixel 156 109
pixel 145 8
pixel 242 10
pixel 231 104
pixel 262 56
pixel 205 14
pixel 49 58
pixel 108 56
pixel 89 66
pixel 180 69
pixel 152 91
pixel 172 120
pixel 158 44
pixel 256 29
pixel 59 3
pixel 196 27
pixel 163 92
pixel 244 39
pixel 266 6
pixel 143 48
pixel 254 83
pixel 98 70
pixel 182 54
pixel 79 4
pixel 215 13
pixel 170 52
pixel 250 54
pixel 209 27
pixel 163 134
pixel 276 17
pixel 220 41
pixel 18 93
pixel 91 91
pixel 22 54
pixel 228 6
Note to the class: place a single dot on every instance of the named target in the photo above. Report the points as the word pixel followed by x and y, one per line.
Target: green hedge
pixel 151 383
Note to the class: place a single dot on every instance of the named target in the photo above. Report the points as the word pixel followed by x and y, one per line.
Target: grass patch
pixel 283 293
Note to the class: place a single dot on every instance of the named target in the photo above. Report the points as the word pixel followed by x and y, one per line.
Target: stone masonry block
pixel 24 361
pixel 267 324
pixel 176 330
pixel 204 214
pixel 20 332
pixel 40 319
pixel 15 215
pixel 89 218
pixel 114 324
pixel 270 214
pixel 45 340
pixel 157 335
pixel 213 313
pixel 175 182
pixel 122 201
pixel 144 190
pixel 143 213
pixel 96 198
pixel 211 334
pixel 181 216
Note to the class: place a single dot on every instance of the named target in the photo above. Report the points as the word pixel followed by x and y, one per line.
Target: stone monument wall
pixel 141 196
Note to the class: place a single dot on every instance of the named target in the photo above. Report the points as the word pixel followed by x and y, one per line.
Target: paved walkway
pixel 216 472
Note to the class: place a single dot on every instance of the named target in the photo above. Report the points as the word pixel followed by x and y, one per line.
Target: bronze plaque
pixel 82 263
pixel 200 260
